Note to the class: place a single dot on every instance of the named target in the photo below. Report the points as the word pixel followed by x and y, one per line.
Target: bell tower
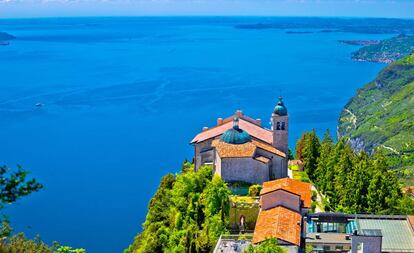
pixel 280 124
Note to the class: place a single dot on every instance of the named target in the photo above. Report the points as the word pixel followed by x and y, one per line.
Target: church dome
pixel 280 108
pixel 235 135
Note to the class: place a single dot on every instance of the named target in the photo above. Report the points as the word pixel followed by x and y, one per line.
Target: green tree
pixel 187 214
pixel 358 183
pixel 290 154
pixel 254 190
pixel 15 184
pixel 322 168
pixel 343 171
pixel 308 151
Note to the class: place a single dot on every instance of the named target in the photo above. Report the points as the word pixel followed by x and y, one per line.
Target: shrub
pixel 254 190
pixel 314 195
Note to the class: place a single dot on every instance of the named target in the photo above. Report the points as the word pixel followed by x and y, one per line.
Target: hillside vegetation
pixel 351 182
pixel 187 213
pixel 386 51
pixel 381 115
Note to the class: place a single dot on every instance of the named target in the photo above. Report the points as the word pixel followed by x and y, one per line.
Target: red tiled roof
pixel 268 148
pixel 280 223
pixel 247 149
pixel 245 123
pixel 234 150
pixel 291 185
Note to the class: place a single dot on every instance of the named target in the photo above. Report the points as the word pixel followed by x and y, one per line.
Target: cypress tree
pixel 310 153
pixel 322 168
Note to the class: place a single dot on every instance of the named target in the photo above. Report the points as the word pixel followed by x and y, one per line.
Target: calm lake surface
pixel 124 96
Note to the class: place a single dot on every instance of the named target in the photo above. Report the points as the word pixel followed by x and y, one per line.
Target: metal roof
pixel 397 234
pixel 370 232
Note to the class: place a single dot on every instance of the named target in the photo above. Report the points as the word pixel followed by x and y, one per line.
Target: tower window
pixel 277 125
pixel 283 126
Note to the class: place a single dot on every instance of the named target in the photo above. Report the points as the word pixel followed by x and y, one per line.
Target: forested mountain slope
pixel 382 115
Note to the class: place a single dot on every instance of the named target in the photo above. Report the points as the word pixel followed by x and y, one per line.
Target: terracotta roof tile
pixel 268 148
pixel 280 223
pixel 234 150
pixel 247 149
pixel 291 185
pixel 245 123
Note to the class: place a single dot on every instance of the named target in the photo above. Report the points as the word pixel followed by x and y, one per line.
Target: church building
pixel 241 149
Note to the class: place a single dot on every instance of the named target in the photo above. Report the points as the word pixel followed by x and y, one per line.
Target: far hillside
pixel 381 115
pixel 386 51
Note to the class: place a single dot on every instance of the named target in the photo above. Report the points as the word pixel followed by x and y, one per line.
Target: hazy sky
pixel 368 8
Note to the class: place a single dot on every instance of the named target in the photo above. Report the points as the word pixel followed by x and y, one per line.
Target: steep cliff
pixel 381 115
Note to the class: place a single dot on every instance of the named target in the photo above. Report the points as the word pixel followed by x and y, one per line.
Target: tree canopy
pixel 187 213
pixel 352 182
pixel 14 185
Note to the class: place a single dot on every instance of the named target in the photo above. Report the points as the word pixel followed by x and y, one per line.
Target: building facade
pixel 241 149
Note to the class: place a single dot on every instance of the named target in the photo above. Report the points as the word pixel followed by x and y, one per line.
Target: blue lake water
pixel 124 96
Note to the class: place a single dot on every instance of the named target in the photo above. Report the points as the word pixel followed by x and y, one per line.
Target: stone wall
pixel 278 165
pixel 280 136
pixel 217 163
pixel 244 169
pixel 367 244
pixel 249 211
pixel 280 198
pixel 200 156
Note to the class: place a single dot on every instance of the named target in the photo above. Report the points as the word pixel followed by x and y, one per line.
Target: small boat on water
pixel 4 43
pixel 39 104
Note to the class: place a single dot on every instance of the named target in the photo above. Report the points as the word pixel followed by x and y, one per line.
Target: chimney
pixel 259 122
pixel 205 129
pixel 239 113
pixel 219 121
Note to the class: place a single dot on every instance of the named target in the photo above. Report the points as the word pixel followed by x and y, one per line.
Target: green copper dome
pixel 280 108
pixel 235 135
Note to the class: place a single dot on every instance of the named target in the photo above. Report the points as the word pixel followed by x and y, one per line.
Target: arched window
pixel 277 125
pixel 283 126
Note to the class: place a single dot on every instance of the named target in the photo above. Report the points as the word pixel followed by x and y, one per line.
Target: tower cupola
pixel 280 108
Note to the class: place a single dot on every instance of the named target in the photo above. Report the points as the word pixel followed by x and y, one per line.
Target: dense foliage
pixel 268 246
pixel 386 51
pixel 381 115
pixel 352 182
pixel 20 244
pixel 254 190
pixel 187 213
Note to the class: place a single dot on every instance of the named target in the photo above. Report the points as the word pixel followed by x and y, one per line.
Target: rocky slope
pixel 381 115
